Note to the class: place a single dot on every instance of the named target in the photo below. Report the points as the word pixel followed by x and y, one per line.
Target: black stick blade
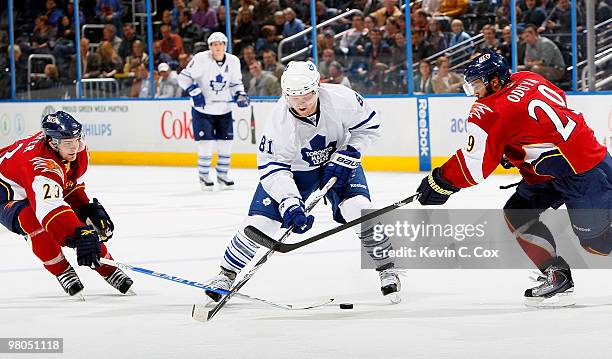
pixel 261 238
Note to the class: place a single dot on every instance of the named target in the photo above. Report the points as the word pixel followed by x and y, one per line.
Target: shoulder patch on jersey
pixel 478 110
pixel 318 153
pixel 218 84
pixel 47 165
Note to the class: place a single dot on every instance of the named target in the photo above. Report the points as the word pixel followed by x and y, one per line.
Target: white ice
pixel 164 222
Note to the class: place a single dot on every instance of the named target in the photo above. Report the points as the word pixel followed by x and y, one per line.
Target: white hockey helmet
pixel 217 37
pixel 300 78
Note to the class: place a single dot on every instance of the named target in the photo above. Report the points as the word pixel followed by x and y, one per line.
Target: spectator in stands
pixel 531 14
pixel 502 14
pixel 110 12
pixel 54 15
pixel 138 56
pixel 166 20
pixel 263 12
pixel 430 6
pixel 262 83
pixel 436 37
pixel 90 61
pixel 390 30
pixel 267 41
pixel 379 56
pixel 446 81
pixel 221 27
pixel 559 19
pixel 244 5
pixel 183 61
pixel 396 75
pixel 542 56
pixel 159 55
pixel 321 11
pixel 177 10
pixel 422 81
pixel 490 39
pixel 329 42
pixel 128 39
pixel 109 34
pixel 171 44
pixel 327 57
pixel 369 22
pixel 603 11
pixel 420 20
pixel 452 8
pixel 248 57
pixel 279 24
pixel 458 35
pixel 70 13
pixel 246 32
pixel 50 78
pixel 506 47
pixel 187 29
pixel 389 9
pixel 110 62
pixel 292 26
pixel 141 85
pixel 357 32
pixel 271 64
pixel 64 47
pixel 21 68
pixel 167 85
pixel 336 75
pixel 420 47
pixel 205 16
pixel 43 38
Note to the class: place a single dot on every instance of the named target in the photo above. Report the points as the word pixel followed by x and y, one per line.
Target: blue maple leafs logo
pixel 217 84
pixel 318 153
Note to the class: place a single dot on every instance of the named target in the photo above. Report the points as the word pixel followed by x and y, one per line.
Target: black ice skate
pixel 206 184
pixel 70 281
pixel 224 181
pixel 120 281
pixel 223 280
pixel 556 287
pixel 390 284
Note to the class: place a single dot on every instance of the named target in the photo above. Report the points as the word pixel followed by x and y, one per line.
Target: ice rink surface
pixel 164 222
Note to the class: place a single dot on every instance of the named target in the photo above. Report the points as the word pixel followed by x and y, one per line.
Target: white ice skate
pixel 390 285
pixel 206 184
pixel 223 280
pixel 225 183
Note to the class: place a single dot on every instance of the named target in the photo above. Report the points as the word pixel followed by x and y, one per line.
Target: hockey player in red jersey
pixel 42 197
pixel 524 118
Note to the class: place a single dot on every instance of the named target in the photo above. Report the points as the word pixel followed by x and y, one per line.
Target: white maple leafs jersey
pixel 296 144
pixel 218 83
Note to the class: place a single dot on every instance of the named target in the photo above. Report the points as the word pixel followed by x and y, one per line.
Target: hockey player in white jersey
pixel 213 80
pixel 315 132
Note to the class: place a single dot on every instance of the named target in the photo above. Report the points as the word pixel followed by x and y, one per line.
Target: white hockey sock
pixel 204 157
pixel 224 152
pixel 241 250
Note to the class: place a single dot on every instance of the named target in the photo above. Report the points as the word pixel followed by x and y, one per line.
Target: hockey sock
pixel 204 157
pixel 239 252
pixel 224 152
pixel 537 242
pixel 43 245
pixel 105 270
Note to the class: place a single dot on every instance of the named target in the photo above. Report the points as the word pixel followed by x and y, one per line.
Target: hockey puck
pixel 346 306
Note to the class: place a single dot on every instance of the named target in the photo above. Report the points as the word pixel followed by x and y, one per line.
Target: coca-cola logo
pixel 176 126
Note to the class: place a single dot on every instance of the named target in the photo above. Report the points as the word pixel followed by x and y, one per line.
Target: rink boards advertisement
pixel 418 133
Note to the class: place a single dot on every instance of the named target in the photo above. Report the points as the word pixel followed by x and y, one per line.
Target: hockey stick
pixel 192 283
pixel 261 238
pixel 315 199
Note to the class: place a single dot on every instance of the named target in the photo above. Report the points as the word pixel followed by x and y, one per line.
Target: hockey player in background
pixel 42 197
pixel 315 132
pixel 525 118
pixel 213 80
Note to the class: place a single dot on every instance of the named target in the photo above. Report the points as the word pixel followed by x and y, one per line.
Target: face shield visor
pixel 472 87
pixel 301 103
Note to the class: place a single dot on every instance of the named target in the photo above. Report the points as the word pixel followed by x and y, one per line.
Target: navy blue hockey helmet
pixel 484 67
pixel 61 125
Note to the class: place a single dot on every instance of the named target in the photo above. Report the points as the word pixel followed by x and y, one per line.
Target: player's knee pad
pixel 601 245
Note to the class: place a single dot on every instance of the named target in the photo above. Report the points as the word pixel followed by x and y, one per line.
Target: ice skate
pixel 390 284
pixel 120 281
pixel 70 282
pixel 555 289
pixel 206 184
pixel 223 280
pixel 224 181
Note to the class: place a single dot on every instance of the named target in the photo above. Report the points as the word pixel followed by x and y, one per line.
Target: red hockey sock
pixel 105 270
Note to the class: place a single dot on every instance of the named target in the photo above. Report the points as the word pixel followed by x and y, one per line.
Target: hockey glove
pixel 87 245
pixel 292 211
pixel 242 99
pixel 95 215
pixel 197 98
pixel 342 165
pixel 434 189
pixel 505 163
